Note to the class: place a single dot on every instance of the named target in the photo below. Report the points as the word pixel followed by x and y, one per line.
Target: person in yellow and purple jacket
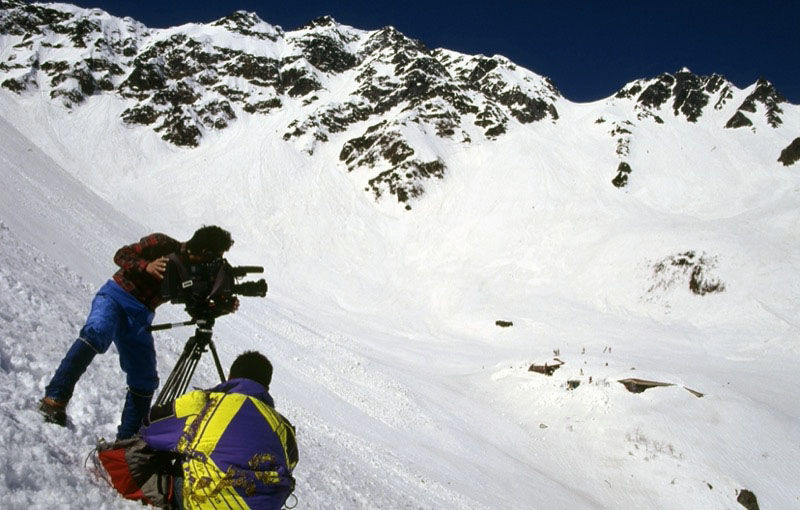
pixel 236 450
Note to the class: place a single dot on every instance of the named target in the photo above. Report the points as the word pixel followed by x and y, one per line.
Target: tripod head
pixel 208 290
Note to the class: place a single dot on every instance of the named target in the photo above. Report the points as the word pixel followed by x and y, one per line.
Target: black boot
pixel 59 390
pixel 53 411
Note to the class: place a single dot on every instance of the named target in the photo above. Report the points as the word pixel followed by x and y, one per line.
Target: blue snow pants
pixel 116 316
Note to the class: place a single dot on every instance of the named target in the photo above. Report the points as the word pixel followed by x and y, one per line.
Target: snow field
pixel 381 323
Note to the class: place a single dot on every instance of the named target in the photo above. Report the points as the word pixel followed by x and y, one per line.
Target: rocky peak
pixel 183 85
pixel 250 25
pixel 382 98
pixel 44 55
pixel 20 19
pixel 767 96
pixel 688 94
pixel 389 41
pixel 326 45
pixel 240 19
pixel 321 21
pixel 529 98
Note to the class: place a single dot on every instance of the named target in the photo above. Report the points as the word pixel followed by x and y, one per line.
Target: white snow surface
pixel 381 323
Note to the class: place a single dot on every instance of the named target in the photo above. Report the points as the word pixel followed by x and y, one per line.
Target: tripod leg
pixel 186 375
pixel 181 375
pixel 213 350
pixel 178 382
pixel 179 379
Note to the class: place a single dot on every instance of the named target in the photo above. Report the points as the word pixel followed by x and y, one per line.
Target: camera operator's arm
pixel 138 257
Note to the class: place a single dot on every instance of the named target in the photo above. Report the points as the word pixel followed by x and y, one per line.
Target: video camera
pixel 208 289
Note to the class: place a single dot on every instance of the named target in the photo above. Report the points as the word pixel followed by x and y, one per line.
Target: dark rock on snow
pixel 621 179
pixel 748 500
pixel 791 154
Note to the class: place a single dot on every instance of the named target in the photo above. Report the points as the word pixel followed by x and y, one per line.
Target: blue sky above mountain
pixel 589 49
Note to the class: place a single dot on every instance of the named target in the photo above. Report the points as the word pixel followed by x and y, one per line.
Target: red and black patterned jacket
pixel 133 260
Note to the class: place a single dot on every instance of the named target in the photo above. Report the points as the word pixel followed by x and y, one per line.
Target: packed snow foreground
pixel 530 335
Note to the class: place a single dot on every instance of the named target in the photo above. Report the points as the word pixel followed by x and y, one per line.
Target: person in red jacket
pixel 122 311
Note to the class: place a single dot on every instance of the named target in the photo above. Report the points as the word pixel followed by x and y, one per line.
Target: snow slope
pixel 381 322
pixel 404 392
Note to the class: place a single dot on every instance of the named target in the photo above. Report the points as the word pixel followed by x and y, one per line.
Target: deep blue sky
pixel 589 49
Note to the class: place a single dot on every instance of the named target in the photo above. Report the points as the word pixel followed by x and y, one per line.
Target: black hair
pixel 254 366
pixel 210 238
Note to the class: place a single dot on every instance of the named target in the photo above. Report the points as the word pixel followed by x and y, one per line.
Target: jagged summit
pixel 686 93
pixel 764 95
pixel 249 24
pixel 382 100
pixel 685 97
pixel 185 84
pixel 240 18
pixel 689 95
pixel 321 21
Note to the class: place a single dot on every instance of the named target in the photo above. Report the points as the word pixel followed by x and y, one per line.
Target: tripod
pixel 181 375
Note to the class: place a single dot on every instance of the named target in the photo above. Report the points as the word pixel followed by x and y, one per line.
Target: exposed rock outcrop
pixel 764 96
pixel 383 100
pixel 621 179
pixel 686 93
pixel 688 268
pixel 791 154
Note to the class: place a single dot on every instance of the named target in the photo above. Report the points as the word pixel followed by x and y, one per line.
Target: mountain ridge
pixel 383 96
pixel 383 324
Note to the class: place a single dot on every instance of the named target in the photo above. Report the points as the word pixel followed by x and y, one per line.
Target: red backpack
pixel 139 472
